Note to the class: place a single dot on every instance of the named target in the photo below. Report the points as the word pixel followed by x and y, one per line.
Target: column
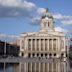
pixel 25 66
pixel 39 67
pixel 43 67
pixel 35 44
pixel 64 47
pixel 52 48
pixel 48 45
pixel 59 66
pixel 20 45
pixel 39 44
pixel 65 68
pixel 31 44
pixel 43 44
pixel 52 66
pixel 35 66
pixel 31 67
pixel 64 44
pixel 48 67
pixel 58 44
pixel 19 67
pixel 26 45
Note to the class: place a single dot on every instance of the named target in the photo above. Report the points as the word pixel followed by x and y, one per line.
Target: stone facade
pixel 47 43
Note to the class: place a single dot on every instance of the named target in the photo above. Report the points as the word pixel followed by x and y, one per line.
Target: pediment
pixel 41 34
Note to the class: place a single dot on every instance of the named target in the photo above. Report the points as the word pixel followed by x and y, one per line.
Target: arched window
pixel 50 54
pixel 54 54
pixel 29 55
pixel 33 55
pixel 41 55
pixel 37 54
pixel 62 55
pixel 22 54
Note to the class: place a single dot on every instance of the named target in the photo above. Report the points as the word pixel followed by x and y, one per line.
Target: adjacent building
pixel 7 49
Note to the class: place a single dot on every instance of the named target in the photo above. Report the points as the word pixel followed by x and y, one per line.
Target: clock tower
pixel 47 22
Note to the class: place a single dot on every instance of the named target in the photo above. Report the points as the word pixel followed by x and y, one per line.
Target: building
pixel 47 43
pixel 8 49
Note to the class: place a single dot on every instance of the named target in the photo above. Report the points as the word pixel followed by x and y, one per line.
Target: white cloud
pixel 57 16
pixel 62 17
pixel 60 29
pixel 67 22
pixel 17 3
pixel 8 2
pixel 41 11
pixel 15 8
pixel 35 20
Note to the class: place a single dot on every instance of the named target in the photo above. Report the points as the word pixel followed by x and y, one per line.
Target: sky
pixel 19 16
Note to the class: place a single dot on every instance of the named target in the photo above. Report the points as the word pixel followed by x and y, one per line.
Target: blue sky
pixel 18 16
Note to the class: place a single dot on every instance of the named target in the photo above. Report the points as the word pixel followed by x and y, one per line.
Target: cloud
pixel 62 17
pixel 15 8
pixel 60 29
pixel 41 11
pixel 35 20
pixel 67 22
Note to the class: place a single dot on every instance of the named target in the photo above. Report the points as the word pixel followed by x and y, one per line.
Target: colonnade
pixel 56 66
pixel 42 44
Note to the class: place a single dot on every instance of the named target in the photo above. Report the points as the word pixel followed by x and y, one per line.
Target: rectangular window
pixel 50 44
pixel 37 44
pixel 33 46
pixel 46 43
pixel 41 44
pixel 54 44
pixel 29 44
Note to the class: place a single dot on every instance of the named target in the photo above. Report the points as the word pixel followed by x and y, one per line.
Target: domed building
pixel 47 43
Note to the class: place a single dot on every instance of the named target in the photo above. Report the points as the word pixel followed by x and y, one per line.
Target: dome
pixel 47 14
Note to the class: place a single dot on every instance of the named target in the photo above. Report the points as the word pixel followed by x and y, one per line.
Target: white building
pixel 46 43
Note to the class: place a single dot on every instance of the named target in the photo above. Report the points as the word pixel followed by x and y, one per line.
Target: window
pixel 46 44
pixel 22 54
pixel 41 44
pixel 50 54
pixel 54 44
pixel 33 55
pixel 37 55
pixel 54 54
pixel 41 55
pixel 29 44
pixel 37 44
pixel 33 42
pixel 62 44
pixel 45 24
pixel 29 55
pixel 50 44
pixel 48 24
